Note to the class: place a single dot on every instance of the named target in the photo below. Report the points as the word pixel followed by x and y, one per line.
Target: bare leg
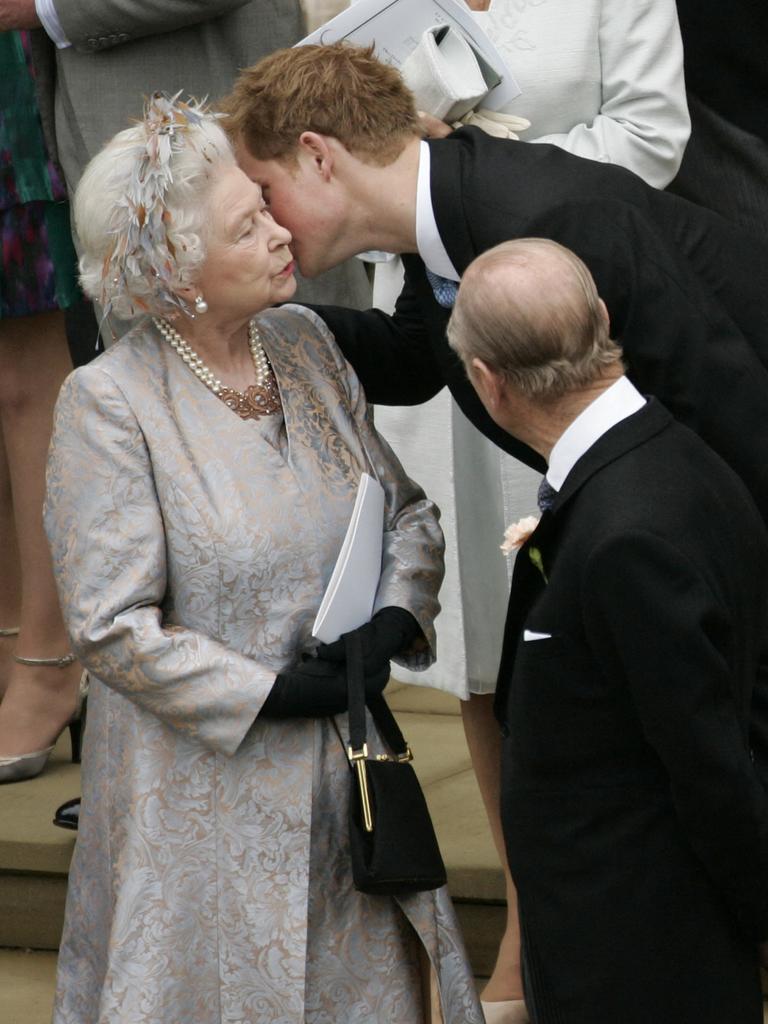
pixel 484 742
pixel 34 360
pixel 10 585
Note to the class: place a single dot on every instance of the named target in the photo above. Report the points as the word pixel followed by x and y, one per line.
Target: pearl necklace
pixel 259 399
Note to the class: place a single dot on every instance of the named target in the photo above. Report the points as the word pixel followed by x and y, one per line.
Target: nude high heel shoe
pixel 27 766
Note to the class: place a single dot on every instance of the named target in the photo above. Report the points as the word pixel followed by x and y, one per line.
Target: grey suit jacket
pixel 122 50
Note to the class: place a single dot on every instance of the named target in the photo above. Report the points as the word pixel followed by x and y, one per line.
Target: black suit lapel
pixel 445 182
pixel 528 582
pixel 527 579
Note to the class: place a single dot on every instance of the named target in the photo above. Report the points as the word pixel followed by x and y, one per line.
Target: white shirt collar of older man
pixel 428 241
pixel 616 403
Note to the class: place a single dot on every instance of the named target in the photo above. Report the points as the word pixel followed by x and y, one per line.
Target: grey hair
pixel 124 278
pixel 544 331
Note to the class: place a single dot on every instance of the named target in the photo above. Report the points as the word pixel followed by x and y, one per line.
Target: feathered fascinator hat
pixel 142 244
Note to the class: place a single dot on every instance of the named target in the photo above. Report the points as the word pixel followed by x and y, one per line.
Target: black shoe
pixel 68 815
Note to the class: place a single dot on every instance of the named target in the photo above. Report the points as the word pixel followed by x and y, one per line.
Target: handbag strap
pixel 379 708
pixel 355 689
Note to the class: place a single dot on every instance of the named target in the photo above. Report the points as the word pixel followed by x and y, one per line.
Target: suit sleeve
pixel 102 24
pixel 653 622
pixel 643 122
pixel 394 359
pixel 105 528
pixel 391 355
pixel 413 545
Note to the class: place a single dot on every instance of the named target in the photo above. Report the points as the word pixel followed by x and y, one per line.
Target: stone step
pixel 26 986
pixel 424 699
pixel 431 722
pixel 35 855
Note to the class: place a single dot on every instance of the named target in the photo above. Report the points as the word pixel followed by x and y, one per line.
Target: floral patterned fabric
pixel 37 258
pixel 211 879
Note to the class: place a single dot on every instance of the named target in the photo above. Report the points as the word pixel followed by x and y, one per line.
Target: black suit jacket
pixel 725 66
pixel 636 827
pixel 686 292
pixel 687 295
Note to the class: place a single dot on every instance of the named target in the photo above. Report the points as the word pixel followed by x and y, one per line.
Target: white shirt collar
pixel 620 400
pixel 428 241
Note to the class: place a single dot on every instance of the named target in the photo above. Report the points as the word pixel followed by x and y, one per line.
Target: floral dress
pixel 211 881
pixel 38 265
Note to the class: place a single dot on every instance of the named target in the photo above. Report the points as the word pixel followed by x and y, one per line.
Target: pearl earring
pixel 201 306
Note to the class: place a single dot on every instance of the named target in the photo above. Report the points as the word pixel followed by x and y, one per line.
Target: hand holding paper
pixel 445 75
pixel 391 631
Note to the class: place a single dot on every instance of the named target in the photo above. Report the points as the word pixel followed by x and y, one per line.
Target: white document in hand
pixel 395 27
pixel 351 591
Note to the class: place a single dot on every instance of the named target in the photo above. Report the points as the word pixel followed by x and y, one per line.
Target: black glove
pixel 316 688
pixel 391 631
pixel 313 689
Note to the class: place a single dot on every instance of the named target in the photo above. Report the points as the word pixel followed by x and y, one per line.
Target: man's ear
pixel 488 383
pixel 317 150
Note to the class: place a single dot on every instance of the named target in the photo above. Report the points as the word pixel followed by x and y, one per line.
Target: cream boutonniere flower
pixel 516 534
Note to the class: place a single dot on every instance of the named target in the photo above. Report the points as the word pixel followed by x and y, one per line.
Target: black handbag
pixel 392 840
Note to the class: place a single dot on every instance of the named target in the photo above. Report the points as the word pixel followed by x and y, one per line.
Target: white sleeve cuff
pixel 46 12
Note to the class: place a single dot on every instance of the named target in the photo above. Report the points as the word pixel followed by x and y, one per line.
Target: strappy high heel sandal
pixel 27 766
pixel 8 631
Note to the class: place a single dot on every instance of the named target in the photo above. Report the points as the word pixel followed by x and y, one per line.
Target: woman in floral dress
pixel 37 283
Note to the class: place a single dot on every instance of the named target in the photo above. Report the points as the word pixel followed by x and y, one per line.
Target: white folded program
pixel 445 75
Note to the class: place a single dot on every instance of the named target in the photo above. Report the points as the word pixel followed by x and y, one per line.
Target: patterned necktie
pixel 444 289
pixel 546 495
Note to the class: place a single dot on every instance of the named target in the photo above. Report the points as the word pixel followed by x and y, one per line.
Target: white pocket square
pixel 529 634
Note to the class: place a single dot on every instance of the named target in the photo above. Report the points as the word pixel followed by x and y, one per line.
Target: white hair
pixel 126 265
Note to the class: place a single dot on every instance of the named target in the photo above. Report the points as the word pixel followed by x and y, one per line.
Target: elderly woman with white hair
pixel 202 476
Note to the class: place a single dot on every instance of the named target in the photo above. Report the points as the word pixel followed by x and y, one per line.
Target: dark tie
pixel 546 496
pixel 444 289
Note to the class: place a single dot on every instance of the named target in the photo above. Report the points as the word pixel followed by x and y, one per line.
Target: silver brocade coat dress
pixel 211 878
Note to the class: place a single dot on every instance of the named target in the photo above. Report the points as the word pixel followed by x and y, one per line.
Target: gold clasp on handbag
pixel 358 758
pixel 407 755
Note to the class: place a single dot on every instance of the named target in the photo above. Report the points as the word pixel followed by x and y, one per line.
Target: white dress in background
pixel 603 79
